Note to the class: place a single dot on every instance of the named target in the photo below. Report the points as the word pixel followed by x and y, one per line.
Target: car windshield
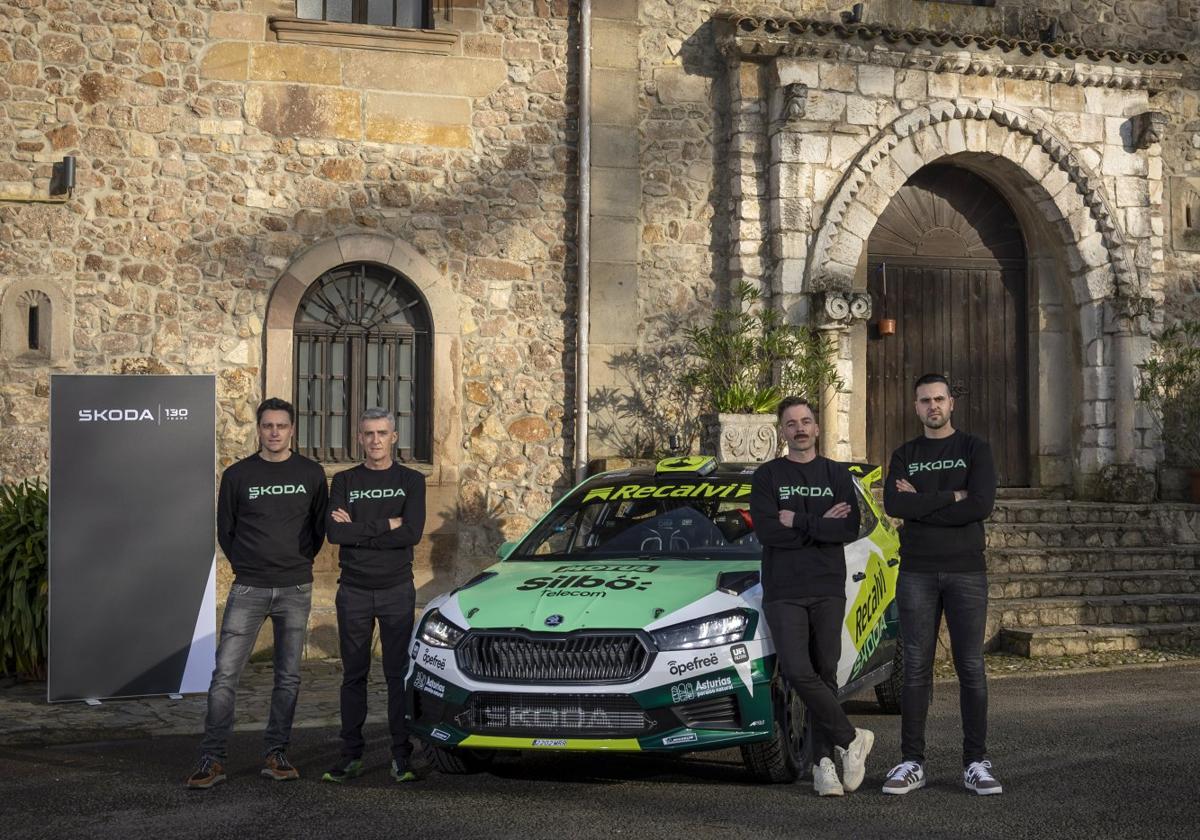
pixel 684 519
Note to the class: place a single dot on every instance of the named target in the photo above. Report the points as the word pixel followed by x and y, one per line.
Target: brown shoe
pixel 278 767
pixel 208 772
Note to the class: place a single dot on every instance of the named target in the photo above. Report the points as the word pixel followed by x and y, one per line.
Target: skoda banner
pixel 132 565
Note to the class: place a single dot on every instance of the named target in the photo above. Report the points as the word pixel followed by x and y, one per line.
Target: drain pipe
pixel 584 237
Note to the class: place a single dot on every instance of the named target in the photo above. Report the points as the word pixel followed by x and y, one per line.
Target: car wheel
pixel 888 692
pixel 784 758
pixel 454 762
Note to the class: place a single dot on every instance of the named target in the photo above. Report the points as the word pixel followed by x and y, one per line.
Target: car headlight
pixel 705 632
pixel 438 632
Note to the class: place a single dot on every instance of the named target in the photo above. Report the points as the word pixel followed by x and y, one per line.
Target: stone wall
pixel 211 157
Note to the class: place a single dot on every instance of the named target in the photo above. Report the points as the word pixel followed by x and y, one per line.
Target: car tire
pixel 888 692
pixel 784 758
pixel 455 762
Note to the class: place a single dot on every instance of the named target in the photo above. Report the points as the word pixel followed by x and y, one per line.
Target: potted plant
pixel 744 362
pixel 1170 388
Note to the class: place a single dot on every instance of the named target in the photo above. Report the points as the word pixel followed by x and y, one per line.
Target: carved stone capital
pixel 1149 128
pixel 795 101
pixel 840 308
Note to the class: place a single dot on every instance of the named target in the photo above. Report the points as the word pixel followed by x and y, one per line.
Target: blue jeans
pixel 923 597
pixel 246 609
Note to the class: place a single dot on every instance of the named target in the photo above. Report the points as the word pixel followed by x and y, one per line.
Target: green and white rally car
pixel 630 618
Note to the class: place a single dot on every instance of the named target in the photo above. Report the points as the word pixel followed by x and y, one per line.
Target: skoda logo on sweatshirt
pixel 931 466
pixel 786 493
pixel 384 493
pixel 276 490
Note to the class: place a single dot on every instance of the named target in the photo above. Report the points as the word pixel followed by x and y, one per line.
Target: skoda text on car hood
pixel 641 629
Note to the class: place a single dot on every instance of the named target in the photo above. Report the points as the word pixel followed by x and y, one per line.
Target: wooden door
pixel 947 263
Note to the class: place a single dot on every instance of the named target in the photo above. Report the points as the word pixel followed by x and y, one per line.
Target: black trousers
pixel 807 633
pixel 923 598
pixel 357 612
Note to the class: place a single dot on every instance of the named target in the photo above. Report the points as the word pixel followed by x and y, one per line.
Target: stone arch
pixel 55 327
pixel 399 256
pixel 944 129
pixel 1056 194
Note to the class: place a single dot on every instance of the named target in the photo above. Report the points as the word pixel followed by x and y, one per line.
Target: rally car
pixel 629 618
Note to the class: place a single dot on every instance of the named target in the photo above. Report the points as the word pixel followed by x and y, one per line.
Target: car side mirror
pixel 505 549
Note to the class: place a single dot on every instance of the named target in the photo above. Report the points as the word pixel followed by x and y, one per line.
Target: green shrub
pixel 749 357
pixel 24 514
pixel 1170 387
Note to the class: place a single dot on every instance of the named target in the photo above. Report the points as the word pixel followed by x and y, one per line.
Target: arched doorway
pixel 946 261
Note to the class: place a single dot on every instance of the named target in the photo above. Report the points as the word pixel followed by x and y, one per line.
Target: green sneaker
pixel 352 769
pixel 401 772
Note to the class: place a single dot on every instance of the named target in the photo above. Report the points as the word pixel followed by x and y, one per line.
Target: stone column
pixel 616 194
pixel 748 190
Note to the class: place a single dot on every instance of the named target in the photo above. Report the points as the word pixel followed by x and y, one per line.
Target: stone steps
pixel 1075 535
pixel 1024 613
pixel 1083 638
pixel 1066 576
pixel 1086 584
pixel 1046 512
pixel 1002 561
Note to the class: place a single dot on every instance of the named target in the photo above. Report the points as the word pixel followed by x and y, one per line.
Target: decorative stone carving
pixel 1090 186
pixel 741 437
pixel 1149 128
pixel 841 308
pixel 757 38
pixel 861 307
pixel 795 101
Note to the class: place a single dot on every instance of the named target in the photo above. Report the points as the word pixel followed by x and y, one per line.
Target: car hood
pixel 561 596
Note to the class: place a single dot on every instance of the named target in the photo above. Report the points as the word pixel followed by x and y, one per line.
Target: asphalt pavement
pixel 1106 754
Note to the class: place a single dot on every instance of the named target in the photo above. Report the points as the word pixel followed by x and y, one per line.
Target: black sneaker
pixel 401 772
pixel 278 767
pixel 208 772
pixel 351 769
pixel 905 777
pixel 977 777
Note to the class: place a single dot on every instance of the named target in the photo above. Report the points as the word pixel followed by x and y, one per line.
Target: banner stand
pixel 132 566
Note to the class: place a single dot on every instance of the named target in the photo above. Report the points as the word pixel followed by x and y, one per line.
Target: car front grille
pixel 573 714
pixel 557 658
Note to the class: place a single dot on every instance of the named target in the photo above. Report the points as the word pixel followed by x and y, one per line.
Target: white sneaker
pixel 825 780
pixel 854 758
pixel 978 777
pixel 905 777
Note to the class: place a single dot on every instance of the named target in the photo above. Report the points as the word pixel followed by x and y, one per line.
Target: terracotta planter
pixel 746 438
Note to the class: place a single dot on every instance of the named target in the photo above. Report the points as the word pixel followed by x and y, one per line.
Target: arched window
pixel 362 340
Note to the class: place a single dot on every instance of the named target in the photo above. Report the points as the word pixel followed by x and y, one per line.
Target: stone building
pixel 308 201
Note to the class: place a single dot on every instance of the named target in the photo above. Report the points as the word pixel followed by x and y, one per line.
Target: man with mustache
pixel 805 511
pixel 943 485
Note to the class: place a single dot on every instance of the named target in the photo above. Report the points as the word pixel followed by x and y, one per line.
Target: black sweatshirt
pixel 374 555
pixel 940 534
pixel 271 519
pixel 808 559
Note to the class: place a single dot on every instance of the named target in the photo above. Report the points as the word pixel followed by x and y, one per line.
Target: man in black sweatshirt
pixel 943 485
pixel 804 511
pixel 270 525
pixel 376 515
